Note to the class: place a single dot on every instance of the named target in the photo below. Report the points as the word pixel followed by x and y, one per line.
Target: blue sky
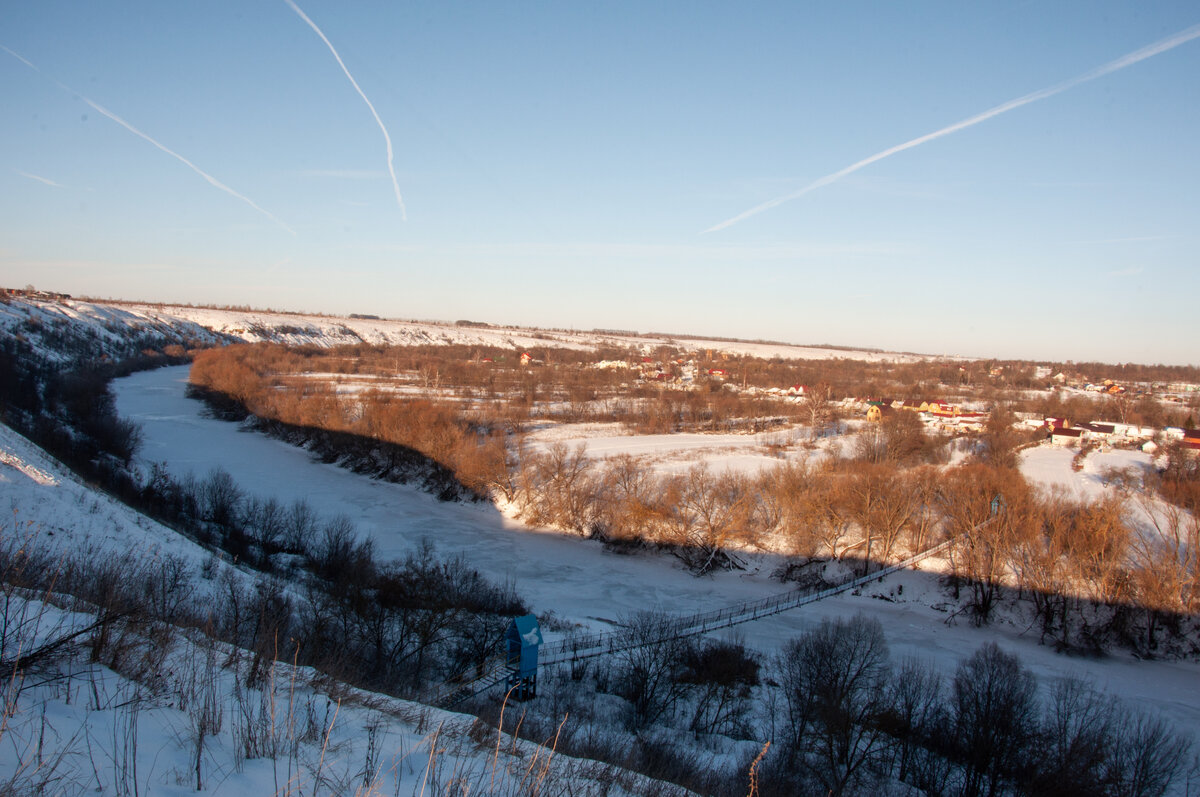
pixel 559 164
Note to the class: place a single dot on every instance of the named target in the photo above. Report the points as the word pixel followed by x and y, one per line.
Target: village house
pixel 1133 431
pixel 877 411
pixel 1067 437
pixel 971 421
pixel 1101 432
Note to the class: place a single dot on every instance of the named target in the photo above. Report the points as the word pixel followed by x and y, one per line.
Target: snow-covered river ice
pixel 577 579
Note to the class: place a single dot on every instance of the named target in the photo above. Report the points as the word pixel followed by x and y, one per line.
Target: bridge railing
pixel 587 646
pixel 579 648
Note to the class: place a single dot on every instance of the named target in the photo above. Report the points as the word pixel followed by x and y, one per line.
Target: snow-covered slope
pixel 47 507
pixel 70 332
pixel 75 726
pixel 103 325
pixel 198 728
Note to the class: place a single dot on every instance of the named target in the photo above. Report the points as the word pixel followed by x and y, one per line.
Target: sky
pixel 984 179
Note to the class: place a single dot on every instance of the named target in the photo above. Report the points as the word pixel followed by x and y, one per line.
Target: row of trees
pixel 856 509
pixel 1112 571
pixel 391 626
pixel 240 380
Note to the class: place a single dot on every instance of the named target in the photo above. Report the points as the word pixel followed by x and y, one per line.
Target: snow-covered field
pixel 675 453
pixel 1050 466
pixel 250 326
pixel 581 583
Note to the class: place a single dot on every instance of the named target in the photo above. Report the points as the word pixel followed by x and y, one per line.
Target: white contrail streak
pixel 45 180
pixel 387 138
pixel 1134 57
pixel 211 180
pixel 104 111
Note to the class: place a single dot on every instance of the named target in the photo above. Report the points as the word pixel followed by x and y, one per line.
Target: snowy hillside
pixel 118 328
pixel 50 509
pixel 69 331
pixel 182 712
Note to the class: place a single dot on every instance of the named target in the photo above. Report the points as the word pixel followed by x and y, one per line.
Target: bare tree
pixel 1147 755
pixel 994 705
pixel 648 667
pixel 221 497
pixel 986 510
pixel 711 512
pixel 881 504
pixel 300 527
pixel 913 715
pixel 818 409
pixel 835 681
pixel 558 487
pixel 1000 439
pixel 1075 743
pixel 628 508
pixel 720 676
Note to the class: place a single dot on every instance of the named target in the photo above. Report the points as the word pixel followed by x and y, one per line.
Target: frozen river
pixel 576 579
pixel 555 571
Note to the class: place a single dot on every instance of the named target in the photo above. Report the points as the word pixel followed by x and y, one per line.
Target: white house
pixel 1069 438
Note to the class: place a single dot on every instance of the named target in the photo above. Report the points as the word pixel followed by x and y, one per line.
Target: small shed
pixel 522 640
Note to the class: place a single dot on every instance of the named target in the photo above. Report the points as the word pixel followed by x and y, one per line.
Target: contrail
pixel 45 180
pixel 212 180
pixel 1134 57
pixel 102 110
pixel 387 139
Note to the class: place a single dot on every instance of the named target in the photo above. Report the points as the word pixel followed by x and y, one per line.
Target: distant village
pixel 30 292
pixel 937 416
